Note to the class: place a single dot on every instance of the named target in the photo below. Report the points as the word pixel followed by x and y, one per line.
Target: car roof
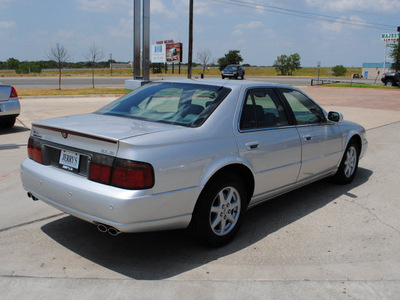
pixel 234 84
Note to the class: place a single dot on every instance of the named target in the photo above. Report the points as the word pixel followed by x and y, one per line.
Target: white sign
pixel 157 54
pixel 389 36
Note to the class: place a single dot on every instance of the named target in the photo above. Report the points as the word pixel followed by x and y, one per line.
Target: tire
pixel 389 83
pixel 242 77
pixel 235 76
pixel 7 122
pixel 223 77
pixel 219 210
pixel 349 164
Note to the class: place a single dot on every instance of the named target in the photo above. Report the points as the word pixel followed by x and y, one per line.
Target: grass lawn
pixel 87 91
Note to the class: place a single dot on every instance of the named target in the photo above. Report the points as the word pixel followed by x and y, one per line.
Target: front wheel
pixel 349 164
pixel 389 83
pixel 219 210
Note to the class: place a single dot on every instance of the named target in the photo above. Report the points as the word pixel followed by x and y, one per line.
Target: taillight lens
pixel 121 173
pixel 13 93
pixel 132 175
pixel 35 150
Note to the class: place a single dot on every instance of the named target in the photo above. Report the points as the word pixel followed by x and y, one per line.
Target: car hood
pixel 102 126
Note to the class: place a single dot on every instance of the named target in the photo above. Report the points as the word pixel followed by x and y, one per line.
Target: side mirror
pixel 335 116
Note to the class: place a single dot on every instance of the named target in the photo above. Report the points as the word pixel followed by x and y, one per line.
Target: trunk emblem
pixel 64 134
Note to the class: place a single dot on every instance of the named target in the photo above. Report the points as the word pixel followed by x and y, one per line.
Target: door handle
pixel 307 138
pixel 252 145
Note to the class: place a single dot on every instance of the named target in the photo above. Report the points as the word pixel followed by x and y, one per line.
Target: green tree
pixel 395 55
pixel 339 70
pixel 233 57
pixel 286 65
pixel 281 64
pixel 294 63
pixel 29 67
pixel 12 63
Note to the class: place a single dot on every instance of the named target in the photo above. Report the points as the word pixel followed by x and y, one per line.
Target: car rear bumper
pixel 10 107
pixel 127 211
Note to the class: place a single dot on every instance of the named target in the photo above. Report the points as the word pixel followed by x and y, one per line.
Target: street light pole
pixel 190 56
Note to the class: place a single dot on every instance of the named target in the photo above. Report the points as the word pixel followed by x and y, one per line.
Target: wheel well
pixel 241 172
pixel 357 140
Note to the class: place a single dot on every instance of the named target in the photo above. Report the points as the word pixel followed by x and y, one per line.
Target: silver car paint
pixel 184 159
pixel 8 106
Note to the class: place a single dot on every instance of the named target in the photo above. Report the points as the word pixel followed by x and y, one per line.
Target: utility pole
pixel 189 74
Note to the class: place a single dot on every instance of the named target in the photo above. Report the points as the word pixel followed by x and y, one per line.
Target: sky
pixel 332 32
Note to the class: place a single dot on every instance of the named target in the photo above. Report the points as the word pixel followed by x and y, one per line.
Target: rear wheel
pixel 7 122
pixel 349 164
pixel 219 210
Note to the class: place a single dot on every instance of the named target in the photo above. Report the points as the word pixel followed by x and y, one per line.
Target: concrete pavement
pixel 323 241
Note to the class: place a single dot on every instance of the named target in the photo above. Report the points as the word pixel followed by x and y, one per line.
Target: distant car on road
pixel 391 79
pixel 233 71
pixel 9 106
pixel 195 153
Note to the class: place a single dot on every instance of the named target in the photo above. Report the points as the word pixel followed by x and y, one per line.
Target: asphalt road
pixel 324 241
pixel 100 82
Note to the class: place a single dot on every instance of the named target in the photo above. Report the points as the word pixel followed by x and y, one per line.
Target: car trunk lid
pixel 5 92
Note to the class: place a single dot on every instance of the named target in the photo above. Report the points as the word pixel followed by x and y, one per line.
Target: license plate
pixel 69 160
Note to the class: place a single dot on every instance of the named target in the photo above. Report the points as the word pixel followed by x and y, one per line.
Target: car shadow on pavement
pixel 161 255
pixel 12 130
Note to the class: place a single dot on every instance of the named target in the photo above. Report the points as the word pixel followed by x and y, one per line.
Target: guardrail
pixel 325 81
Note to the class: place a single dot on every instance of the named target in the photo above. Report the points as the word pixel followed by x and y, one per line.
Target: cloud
pixel 103 5
pixel 239 29
pixel 388 6
pixel 337 26
pixel 123 30
pixel 7 24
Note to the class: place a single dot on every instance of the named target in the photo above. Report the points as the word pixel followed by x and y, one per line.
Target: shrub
pixel 339 70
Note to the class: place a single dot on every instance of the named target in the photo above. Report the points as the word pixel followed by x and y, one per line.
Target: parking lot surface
pixel 324 241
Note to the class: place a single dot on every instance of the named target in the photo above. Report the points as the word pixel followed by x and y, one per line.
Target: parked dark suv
pixel 391 79
pixel 233 71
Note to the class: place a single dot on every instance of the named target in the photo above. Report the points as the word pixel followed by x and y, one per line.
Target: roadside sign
pixel 390 36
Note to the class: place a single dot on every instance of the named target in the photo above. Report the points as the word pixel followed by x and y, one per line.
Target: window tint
pixel 262 109
pixel 304 109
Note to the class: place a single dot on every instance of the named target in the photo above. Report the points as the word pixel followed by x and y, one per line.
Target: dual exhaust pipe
pixel 105 228
pixel 101 227
pixel 32 197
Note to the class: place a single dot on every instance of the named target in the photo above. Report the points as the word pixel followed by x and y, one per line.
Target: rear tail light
pixel 121 173
pixel 13 93
pixel 35 150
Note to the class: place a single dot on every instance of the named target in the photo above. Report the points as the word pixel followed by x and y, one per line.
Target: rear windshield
pixel 173 103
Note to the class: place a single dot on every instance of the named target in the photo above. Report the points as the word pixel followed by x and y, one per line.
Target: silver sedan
pixel 191 153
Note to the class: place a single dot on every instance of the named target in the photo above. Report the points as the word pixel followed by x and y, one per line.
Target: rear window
pixel 173 103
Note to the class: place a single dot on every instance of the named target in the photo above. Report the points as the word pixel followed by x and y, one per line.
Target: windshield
pixel 231 67
pixel 174 103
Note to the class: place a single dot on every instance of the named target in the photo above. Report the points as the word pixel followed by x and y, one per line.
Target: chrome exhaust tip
pixel 113 231
pixel 32 197
pixel 102 228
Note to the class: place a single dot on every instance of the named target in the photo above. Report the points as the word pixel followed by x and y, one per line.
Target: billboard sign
pixel 173 52
pixel 390 36
pixel 158 53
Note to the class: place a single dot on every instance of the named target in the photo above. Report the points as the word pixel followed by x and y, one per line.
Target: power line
pixel 307 15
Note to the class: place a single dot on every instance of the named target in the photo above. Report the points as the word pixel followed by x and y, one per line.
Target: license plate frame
pixel 69 160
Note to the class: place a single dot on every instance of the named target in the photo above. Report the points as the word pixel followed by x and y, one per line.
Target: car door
pixel 268 142
pixel 322 143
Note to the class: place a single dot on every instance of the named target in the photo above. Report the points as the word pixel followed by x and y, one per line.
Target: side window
pixel 262 109
pixel 305 110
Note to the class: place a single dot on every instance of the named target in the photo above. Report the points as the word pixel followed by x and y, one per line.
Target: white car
pixel 9 106
pixel 195 153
